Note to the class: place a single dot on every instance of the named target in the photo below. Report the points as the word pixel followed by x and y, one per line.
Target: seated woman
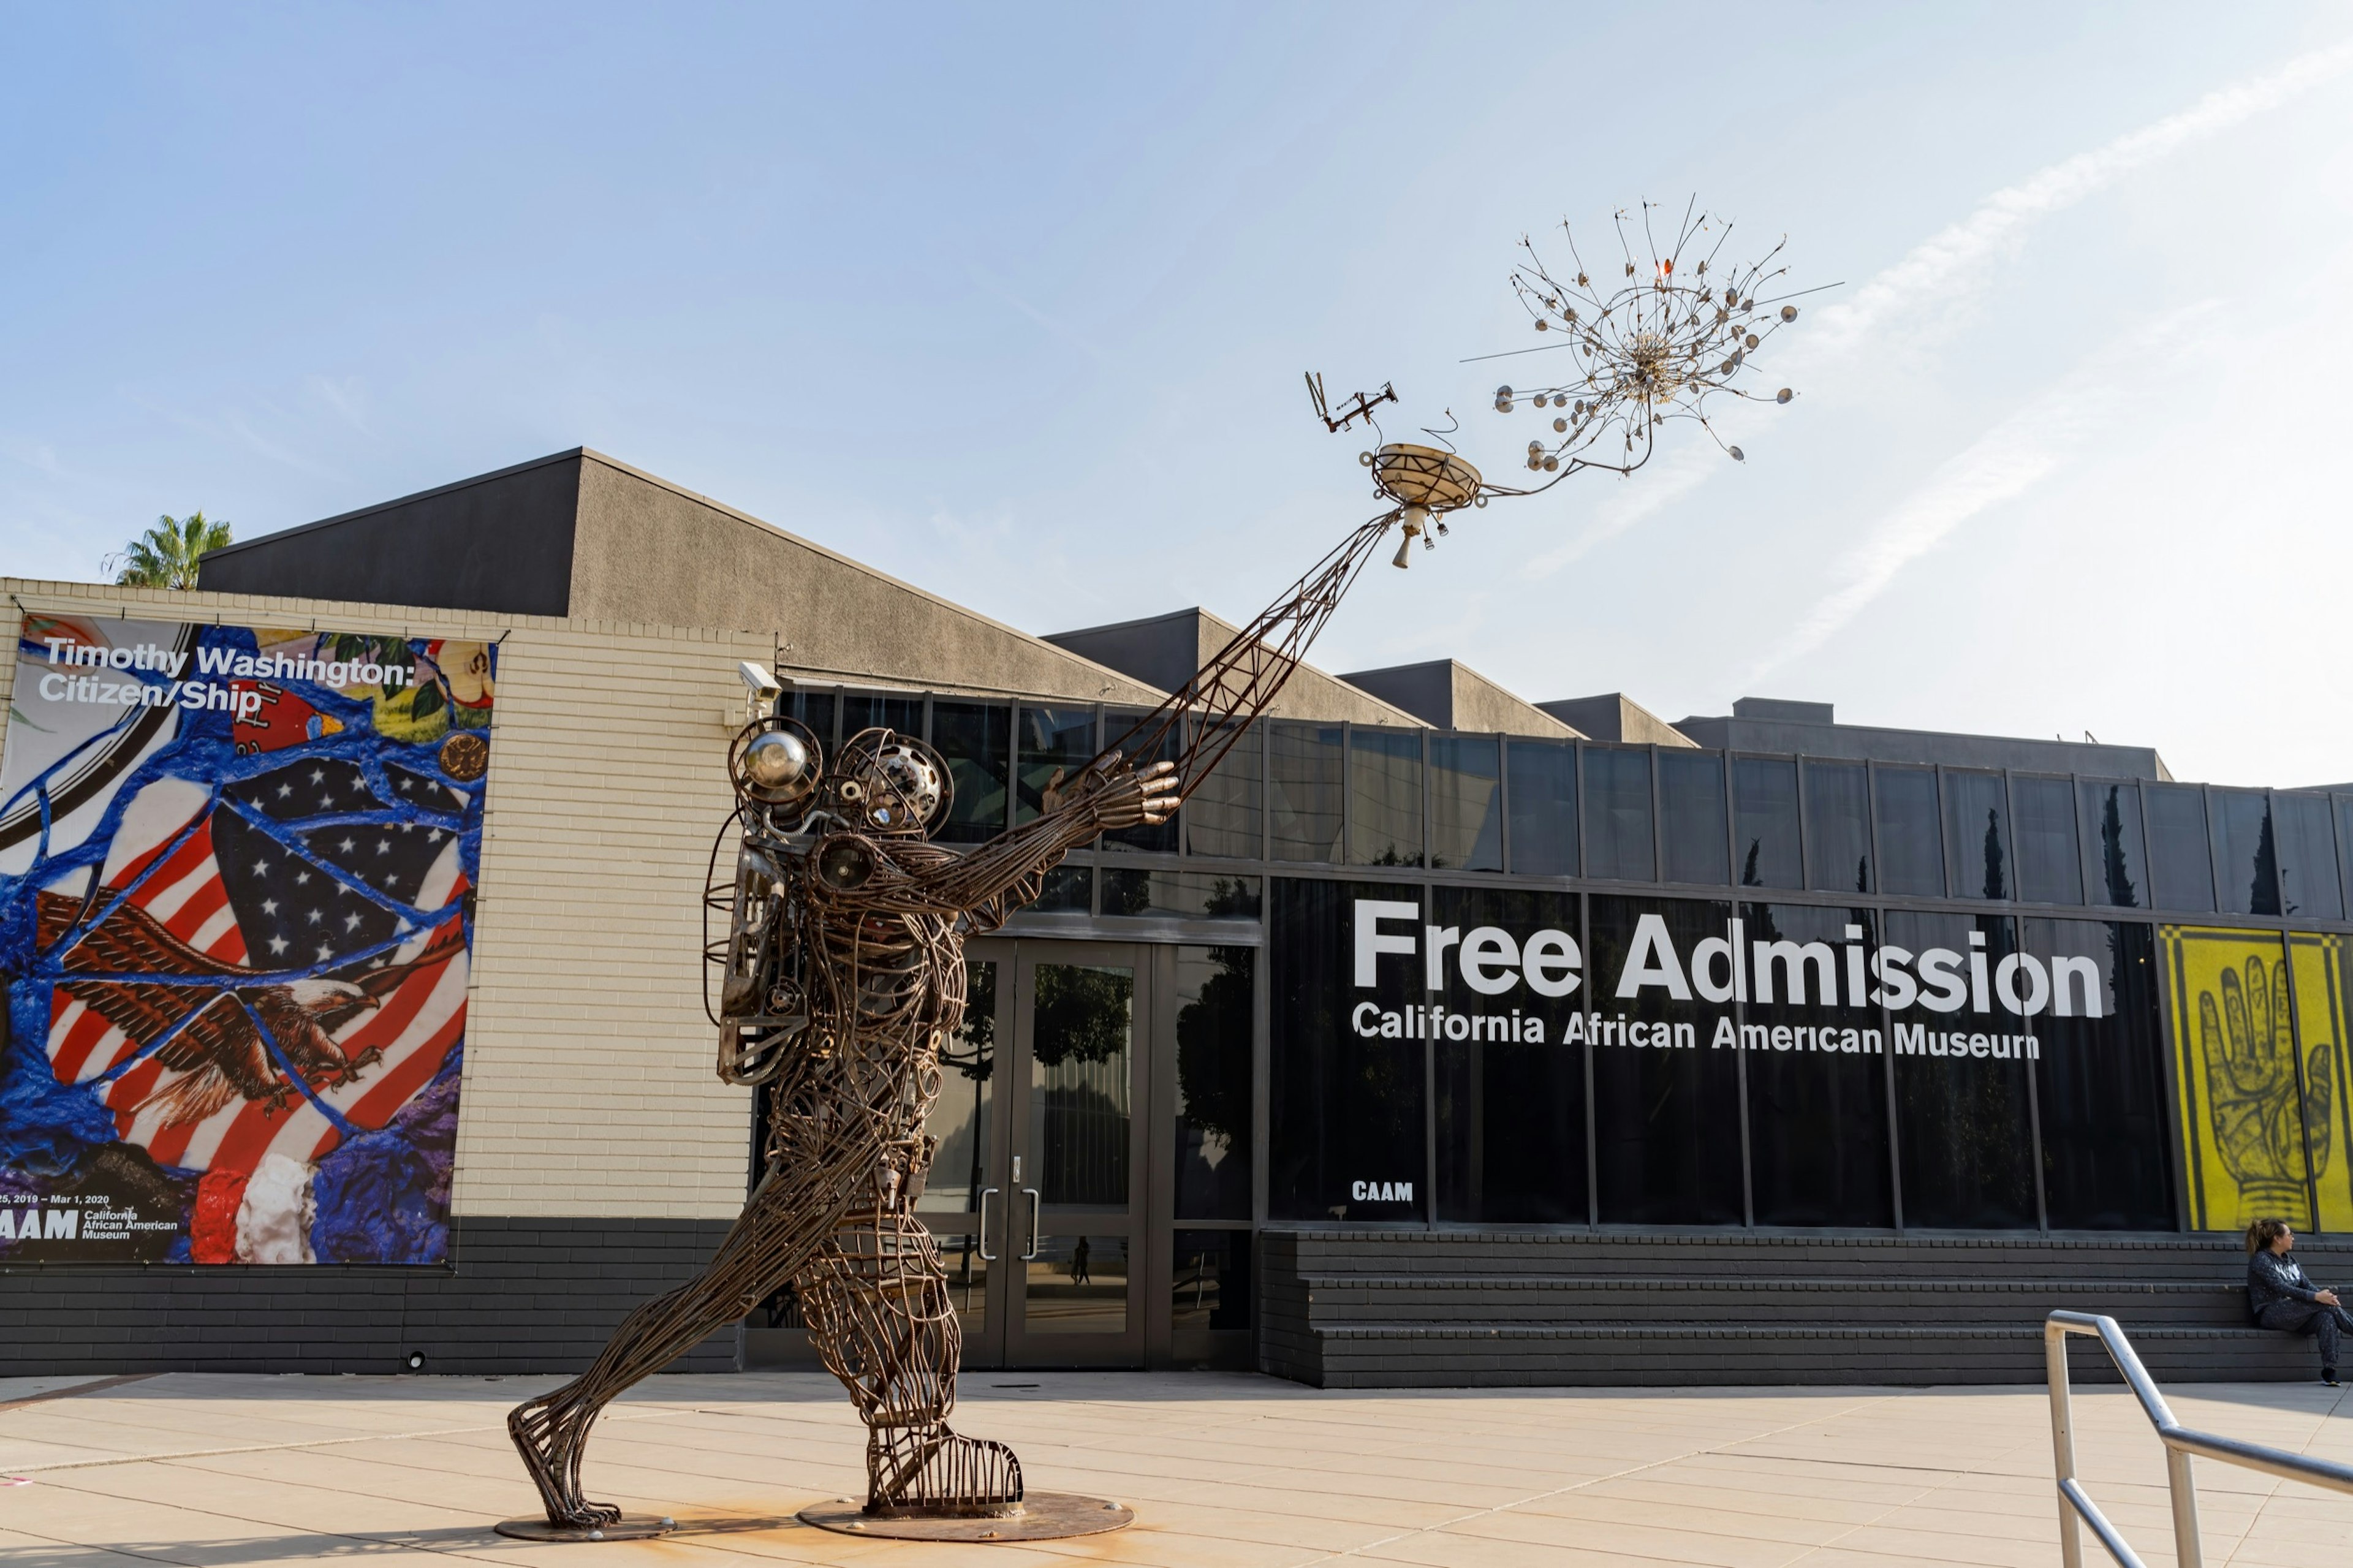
pixel 2279 1296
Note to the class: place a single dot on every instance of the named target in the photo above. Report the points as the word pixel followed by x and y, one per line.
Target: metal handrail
pixel 2181 1442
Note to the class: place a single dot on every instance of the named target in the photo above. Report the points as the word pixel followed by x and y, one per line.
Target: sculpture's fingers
pixel 1159 770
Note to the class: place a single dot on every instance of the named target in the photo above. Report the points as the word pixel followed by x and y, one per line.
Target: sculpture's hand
pixel 1125 797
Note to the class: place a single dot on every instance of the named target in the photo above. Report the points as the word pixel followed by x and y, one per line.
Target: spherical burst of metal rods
pixel 1669 331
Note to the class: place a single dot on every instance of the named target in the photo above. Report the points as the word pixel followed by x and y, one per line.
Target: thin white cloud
pixel 1957 259
pixel 2001 465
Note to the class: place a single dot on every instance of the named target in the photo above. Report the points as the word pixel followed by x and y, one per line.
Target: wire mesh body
pixel 842 977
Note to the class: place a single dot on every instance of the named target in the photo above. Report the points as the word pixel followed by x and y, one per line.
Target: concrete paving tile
pixel 1936 1546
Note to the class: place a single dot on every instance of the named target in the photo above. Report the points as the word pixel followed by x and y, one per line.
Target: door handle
pixel 1032 1253
pixel 985 1256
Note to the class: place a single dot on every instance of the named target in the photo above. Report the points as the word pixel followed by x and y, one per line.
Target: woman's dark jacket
pixel 2272 1279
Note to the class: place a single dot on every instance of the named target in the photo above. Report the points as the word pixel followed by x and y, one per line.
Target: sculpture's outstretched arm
pixel 989 883
pixel 1227 695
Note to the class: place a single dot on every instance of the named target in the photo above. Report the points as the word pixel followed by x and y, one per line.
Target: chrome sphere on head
pixel 776 762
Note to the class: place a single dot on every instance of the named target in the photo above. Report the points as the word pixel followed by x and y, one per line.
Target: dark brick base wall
pixel 524 1296
pixel 1372 1309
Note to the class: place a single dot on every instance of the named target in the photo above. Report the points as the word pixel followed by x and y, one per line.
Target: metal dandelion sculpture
pixel 1652 338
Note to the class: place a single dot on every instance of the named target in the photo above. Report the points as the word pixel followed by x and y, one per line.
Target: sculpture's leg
pixel 789 1217
pixel 877 1309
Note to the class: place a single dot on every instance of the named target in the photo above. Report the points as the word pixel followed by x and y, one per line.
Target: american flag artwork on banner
pixel 237 869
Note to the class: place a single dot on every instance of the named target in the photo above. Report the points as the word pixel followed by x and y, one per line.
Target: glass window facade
pixel 1618 838
pixel 1591 1042
pixel 1384 798
pixel 1307 790
pixel 1765 822
pixel 1054 744
pixel 1541 784
pixel 1346 1091
pixel 1121 731
pixel 2182 866
pixel 2050 862
pixel 1466 803
pixel 1816 1067
pixel 1911 841
pixel 2116 870
pixel 1216 1005
pixel 1964 1116
pixel 1666 1096
pixel 2308 857
pixel 1691 808
pixel 1222 816
pixel 1838 826
pixel 2244 850
pixel 1509 1087
pixel 1976 834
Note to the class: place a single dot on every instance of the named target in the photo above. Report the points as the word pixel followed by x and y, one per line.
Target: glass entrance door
pixel 1036 1195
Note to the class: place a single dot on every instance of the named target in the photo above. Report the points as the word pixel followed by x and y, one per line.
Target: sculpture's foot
pixel 933 1472
pixel 550 1442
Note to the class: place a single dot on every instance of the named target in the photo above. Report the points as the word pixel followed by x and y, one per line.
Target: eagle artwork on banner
pixel 236 915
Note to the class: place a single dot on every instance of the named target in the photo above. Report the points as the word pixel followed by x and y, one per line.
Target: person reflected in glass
pixel 2279 1296
pixel 1078 1255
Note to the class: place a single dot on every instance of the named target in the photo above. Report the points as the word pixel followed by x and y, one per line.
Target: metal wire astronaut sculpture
pixel 843 966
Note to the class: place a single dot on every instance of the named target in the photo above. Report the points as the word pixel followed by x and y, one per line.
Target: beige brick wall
pixel 588 1086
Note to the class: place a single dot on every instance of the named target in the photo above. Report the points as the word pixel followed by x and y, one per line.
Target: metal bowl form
pixel 1424 477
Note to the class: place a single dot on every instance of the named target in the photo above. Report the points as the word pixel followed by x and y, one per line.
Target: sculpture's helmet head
pixel 892 783
pixel 776 765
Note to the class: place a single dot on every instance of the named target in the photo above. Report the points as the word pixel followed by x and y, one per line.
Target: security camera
pixel 760 688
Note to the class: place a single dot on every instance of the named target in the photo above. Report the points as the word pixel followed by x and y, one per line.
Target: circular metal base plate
pixel 1044 1516
pixel 628 1527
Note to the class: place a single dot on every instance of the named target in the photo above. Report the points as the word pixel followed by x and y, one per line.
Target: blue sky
pixel 1013 302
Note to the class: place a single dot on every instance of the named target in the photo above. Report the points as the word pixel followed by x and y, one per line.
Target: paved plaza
pixel 1225 1470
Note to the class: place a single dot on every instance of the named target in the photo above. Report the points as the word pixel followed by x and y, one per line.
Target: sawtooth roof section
pixel 577 534
pixel 1453 695
pixel 1165 650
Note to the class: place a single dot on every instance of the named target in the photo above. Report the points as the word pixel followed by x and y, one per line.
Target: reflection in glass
pixel 1543 789
pixel 959 1119
pixel 876 710
pixel 1152 838
pixel 2100 1078
pixel 1618 841
pixel 1765 822
pixel 1135 892
pixel 2182 872
pixel 2308 857
pixel 1344 1112
pixel 1212 1284
pixel 1066 891
pixel 967 1278
pixel 1838 826
pixel 977 740
pixel 1055 743
pixel 1911 835
pixel 1666 1119
pixel 1466 803
pixel 1384 798
pixel 1310 770
pixel 1510 1110
pixel 817 710
pixel 1691 806
pixel 1976 842
pixel 1081 1035
pixel 2109 816
pixel 1221 816
pixel 2049 866
pixel 1965 1129
pixel 2244 1113
pixel 1214 1012
pixel 1076 1285
pixel 1817 1073
pixel 2245 846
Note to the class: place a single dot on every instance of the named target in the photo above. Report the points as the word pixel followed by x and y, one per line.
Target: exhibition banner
pixel 2259 1056
pixel 237 874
